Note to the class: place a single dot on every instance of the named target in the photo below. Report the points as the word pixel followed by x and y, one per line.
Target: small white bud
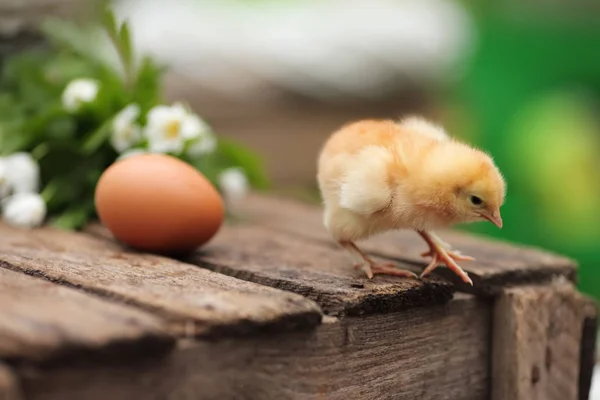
pixel 79 92
pixel 233 183
pixel 26 210
pixel 22 173
pixel 126 132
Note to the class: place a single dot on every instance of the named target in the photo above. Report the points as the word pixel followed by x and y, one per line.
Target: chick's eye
pixel 476 200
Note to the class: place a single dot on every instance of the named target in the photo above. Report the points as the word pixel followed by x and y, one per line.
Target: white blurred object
pixel 361 48
pixel 233 183
pixel 170 127
pixel 125 131
pixel 205 144
pixel 25 210
pixel 22 173
pixel 595 389
pixel 79 92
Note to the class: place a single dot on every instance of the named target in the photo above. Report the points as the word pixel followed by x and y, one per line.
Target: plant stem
pixel 127 66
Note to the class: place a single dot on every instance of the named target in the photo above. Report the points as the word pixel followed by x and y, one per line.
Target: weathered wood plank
pixel 196 301
pixel 9 385
pixel 41 320
pixel 537 343
pixel 433 353
pixel 497 264
pixel 277 259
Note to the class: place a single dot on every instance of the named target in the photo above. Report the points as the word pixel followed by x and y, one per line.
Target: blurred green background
pixel 530 96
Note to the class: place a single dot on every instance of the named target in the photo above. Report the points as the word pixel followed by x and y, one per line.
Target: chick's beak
pixel 494 217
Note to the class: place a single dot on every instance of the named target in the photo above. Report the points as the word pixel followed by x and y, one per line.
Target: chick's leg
pixel 370 267
pixel 441 253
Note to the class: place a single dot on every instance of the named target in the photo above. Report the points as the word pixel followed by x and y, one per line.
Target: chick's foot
pixel 441 254
pixel 384 269
pixel 391 269
pixel 372 268
pixel 455 255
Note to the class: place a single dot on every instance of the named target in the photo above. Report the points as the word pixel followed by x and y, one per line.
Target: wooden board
pixel 314 270
pixel 194 300
pixel 537 343
pixel 9 385
pixel 41 320
pixel 497 264
pixel 433 353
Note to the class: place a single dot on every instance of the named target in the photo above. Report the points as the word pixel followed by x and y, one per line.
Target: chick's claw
pixel 391 269
pixel 372 268
pixel 455 255
pixel 441 255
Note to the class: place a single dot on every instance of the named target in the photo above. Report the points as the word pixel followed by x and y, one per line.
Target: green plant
pixel 87 100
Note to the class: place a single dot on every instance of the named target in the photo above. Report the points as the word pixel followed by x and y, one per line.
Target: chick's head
pixel 462 183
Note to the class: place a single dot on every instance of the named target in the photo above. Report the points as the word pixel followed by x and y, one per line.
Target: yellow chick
pixel 375 176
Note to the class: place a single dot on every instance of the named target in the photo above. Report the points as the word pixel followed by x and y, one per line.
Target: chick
pixel 380 175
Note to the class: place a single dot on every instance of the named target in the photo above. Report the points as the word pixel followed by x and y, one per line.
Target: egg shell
pixel 158 203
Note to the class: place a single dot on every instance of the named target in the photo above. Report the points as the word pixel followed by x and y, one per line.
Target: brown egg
pixel 158 203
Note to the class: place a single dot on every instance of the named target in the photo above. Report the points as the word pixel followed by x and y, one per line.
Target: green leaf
pixel 97 138
pixel 59 193
pixel 74 218
pixel 147 85
pixel 126 49
pixel 12 137
pixel 61 128
pixel 237 155
pixel 67 35
pixel 109 22
pixel 35 129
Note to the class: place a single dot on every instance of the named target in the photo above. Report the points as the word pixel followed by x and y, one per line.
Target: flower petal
pixel 192 127
pixel 22 173
pixel 78 92
pixel 233 183
pixel 203 145
pixel 25 210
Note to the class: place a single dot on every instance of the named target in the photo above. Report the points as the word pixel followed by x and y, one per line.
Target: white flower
pixel 169 127
pixel 205 144
pixel 25 210
pixel 126 132
pixel 233 183
pixel 22 173
pixel 131 153
pixel 79 92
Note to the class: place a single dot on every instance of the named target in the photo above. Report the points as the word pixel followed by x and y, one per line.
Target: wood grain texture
pixel 40 320
pixel 313 270
pixel 10 388
pixel 434 353
pixel 194 300
pixel 537 343
pixel 497 264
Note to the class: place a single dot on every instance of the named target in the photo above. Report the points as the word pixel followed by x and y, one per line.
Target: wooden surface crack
pixel 496 264
pixel 177 292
